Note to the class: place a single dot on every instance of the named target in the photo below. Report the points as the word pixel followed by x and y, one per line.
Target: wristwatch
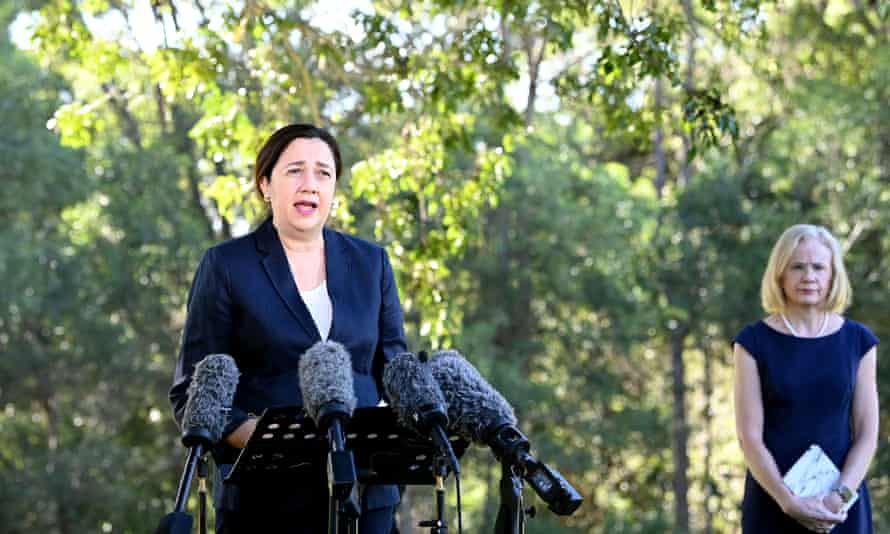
pixel 845 493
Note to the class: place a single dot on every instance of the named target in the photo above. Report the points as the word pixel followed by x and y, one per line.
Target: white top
pixel 319 303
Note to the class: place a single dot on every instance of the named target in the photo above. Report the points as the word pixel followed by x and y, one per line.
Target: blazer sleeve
pixel 208 330
pixel 391 340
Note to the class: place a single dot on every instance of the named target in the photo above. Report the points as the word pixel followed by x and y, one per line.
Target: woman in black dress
pixel 805 375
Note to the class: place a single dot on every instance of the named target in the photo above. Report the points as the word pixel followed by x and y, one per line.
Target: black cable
pixel 460 526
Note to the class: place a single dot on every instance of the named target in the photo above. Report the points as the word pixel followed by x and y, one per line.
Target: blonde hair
pixel 771 295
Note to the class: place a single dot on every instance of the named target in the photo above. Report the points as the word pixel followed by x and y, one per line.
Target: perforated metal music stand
pixel 287 446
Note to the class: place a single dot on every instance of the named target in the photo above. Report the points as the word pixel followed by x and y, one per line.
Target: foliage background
pixel 580 196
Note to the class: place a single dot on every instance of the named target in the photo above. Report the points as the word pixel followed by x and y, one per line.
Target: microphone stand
pixel 343 503
pixel 511 514
pixel 511 447
pixel 202 495
pixel 438 525
pixel 178 521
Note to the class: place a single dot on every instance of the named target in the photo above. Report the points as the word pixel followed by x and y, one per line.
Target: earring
pixel 267 199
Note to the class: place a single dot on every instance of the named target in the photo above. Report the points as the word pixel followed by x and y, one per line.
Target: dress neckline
pixel 771 329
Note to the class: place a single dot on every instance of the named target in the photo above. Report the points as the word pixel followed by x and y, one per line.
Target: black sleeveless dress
pixel 807 388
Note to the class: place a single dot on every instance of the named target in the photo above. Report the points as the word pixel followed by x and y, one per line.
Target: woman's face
pixel 806 280
pixel 301 188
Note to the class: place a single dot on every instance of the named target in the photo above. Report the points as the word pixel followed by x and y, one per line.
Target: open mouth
pixel 305 204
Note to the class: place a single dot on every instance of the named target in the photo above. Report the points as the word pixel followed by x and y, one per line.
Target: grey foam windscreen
pixel 475 408
pixel 210 394
pixel 326 377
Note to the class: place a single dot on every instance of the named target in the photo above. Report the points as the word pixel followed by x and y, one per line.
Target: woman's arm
pixel 391 340
pixel 238 437
pixel 810 512
pixel 865 426
pixel 208 330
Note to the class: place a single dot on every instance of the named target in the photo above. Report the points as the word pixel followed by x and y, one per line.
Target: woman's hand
pixel 812 512
pixel 239 437
pixel 833 502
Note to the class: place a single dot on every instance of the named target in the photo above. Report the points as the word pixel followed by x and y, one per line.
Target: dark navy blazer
pixel 244 302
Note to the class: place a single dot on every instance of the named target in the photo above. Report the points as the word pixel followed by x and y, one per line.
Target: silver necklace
pixel 794 332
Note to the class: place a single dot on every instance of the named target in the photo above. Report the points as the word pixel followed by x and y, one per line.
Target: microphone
pixel 326 381
pixel 418 401
pixel 210 396
pixel 475 408
pixel 482 415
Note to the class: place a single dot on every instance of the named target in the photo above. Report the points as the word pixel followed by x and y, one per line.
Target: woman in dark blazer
pixel 267 297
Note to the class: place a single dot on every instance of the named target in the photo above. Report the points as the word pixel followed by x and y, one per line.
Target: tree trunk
pixel 688 85
pixel 46 399
pixel 534 73
pixel 679 432
pixel 679 429
pixel 660 159
pixel 709 438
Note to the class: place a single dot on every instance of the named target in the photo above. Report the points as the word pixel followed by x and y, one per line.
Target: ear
pixel 264 185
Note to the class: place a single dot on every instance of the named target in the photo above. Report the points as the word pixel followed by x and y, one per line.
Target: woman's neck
pixel 300 242
pixel 807 321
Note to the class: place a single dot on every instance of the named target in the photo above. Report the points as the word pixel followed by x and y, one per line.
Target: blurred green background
pixel 578 195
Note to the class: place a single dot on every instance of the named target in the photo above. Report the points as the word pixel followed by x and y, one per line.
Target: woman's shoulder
pixel 239 250
pixel 234 247
pixel 749 336
pixel 753 328
pixel 854 325
pixel 861 332
pixel 350 242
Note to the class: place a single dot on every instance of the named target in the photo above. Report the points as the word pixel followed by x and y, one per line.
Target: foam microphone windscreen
pixel 475 408
pixel 210 394
pixel 326 380
pixel 413 393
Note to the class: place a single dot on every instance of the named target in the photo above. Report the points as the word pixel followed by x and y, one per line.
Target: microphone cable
pixel 460 526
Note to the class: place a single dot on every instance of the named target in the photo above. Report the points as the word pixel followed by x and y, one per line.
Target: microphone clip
pixel 330 412
pixel 512 448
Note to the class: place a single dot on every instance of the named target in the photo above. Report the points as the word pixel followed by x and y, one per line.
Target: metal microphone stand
pixel 343 504
pixel 202 495
pixel 438 525
pixel 178 521
pixel 511 447
pixel 512 512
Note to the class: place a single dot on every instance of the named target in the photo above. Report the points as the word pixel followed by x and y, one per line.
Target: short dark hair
pixel 278 141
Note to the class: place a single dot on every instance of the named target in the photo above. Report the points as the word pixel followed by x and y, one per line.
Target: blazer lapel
pixel 275 263
pixel 337 272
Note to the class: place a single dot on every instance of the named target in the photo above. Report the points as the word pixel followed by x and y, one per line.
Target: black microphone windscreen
pixel 210 394
pixel 325 378
pixel 475 408
pixel 413 393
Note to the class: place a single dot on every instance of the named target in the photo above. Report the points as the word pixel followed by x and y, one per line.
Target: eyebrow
pixel 303 162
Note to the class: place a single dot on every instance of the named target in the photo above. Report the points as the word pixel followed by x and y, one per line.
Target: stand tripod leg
pixel 349 511
pixel 333 515
pixel 511 516
pixel 343 514
pixel 440 505
pixel 438 525
pixel 202 495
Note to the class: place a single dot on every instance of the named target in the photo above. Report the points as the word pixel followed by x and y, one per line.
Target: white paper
pixel 814 474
